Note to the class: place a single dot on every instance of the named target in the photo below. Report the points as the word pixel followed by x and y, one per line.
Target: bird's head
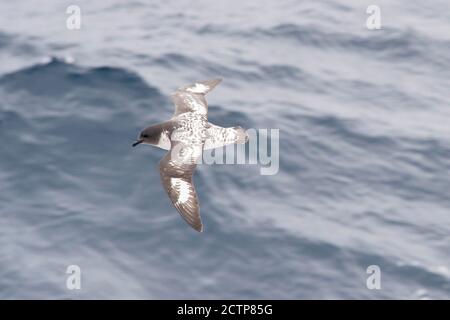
pixel 149 135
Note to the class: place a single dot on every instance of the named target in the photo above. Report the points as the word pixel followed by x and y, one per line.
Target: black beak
pixel 137 142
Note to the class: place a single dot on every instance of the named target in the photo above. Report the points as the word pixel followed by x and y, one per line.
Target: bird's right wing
pixel 192 98
pixel 176 170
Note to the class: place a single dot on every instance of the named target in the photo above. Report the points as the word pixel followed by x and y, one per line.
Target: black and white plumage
pixel 186 135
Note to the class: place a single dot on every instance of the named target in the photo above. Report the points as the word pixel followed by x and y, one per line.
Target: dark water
pixel 364 139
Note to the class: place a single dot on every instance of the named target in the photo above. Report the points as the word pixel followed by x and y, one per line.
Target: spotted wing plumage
pixel 192 98
pixel 217 136
pixel 176 170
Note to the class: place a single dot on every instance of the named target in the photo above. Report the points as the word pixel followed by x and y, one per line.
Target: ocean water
pixel 364 150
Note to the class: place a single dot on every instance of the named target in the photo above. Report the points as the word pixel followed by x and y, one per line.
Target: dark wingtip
pixel 198 228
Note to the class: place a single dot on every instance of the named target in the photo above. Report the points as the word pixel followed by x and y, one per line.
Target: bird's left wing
pixel 192 98
pixel 176 170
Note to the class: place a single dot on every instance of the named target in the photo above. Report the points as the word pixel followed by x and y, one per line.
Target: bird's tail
pixel 241 135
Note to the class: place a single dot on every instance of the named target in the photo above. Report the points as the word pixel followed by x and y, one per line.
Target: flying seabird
pixel 186 135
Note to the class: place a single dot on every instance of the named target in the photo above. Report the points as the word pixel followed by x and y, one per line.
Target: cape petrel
pixel 186 135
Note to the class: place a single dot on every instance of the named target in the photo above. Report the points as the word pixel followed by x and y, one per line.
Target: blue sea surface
pixel 364 176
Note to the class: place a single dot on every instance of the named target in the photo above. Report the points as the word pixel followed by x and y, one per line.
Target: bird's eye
pixel 144 136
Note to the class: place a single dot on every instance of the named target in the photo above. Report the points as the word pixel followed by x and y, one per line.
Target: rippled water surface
pixel 364 149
